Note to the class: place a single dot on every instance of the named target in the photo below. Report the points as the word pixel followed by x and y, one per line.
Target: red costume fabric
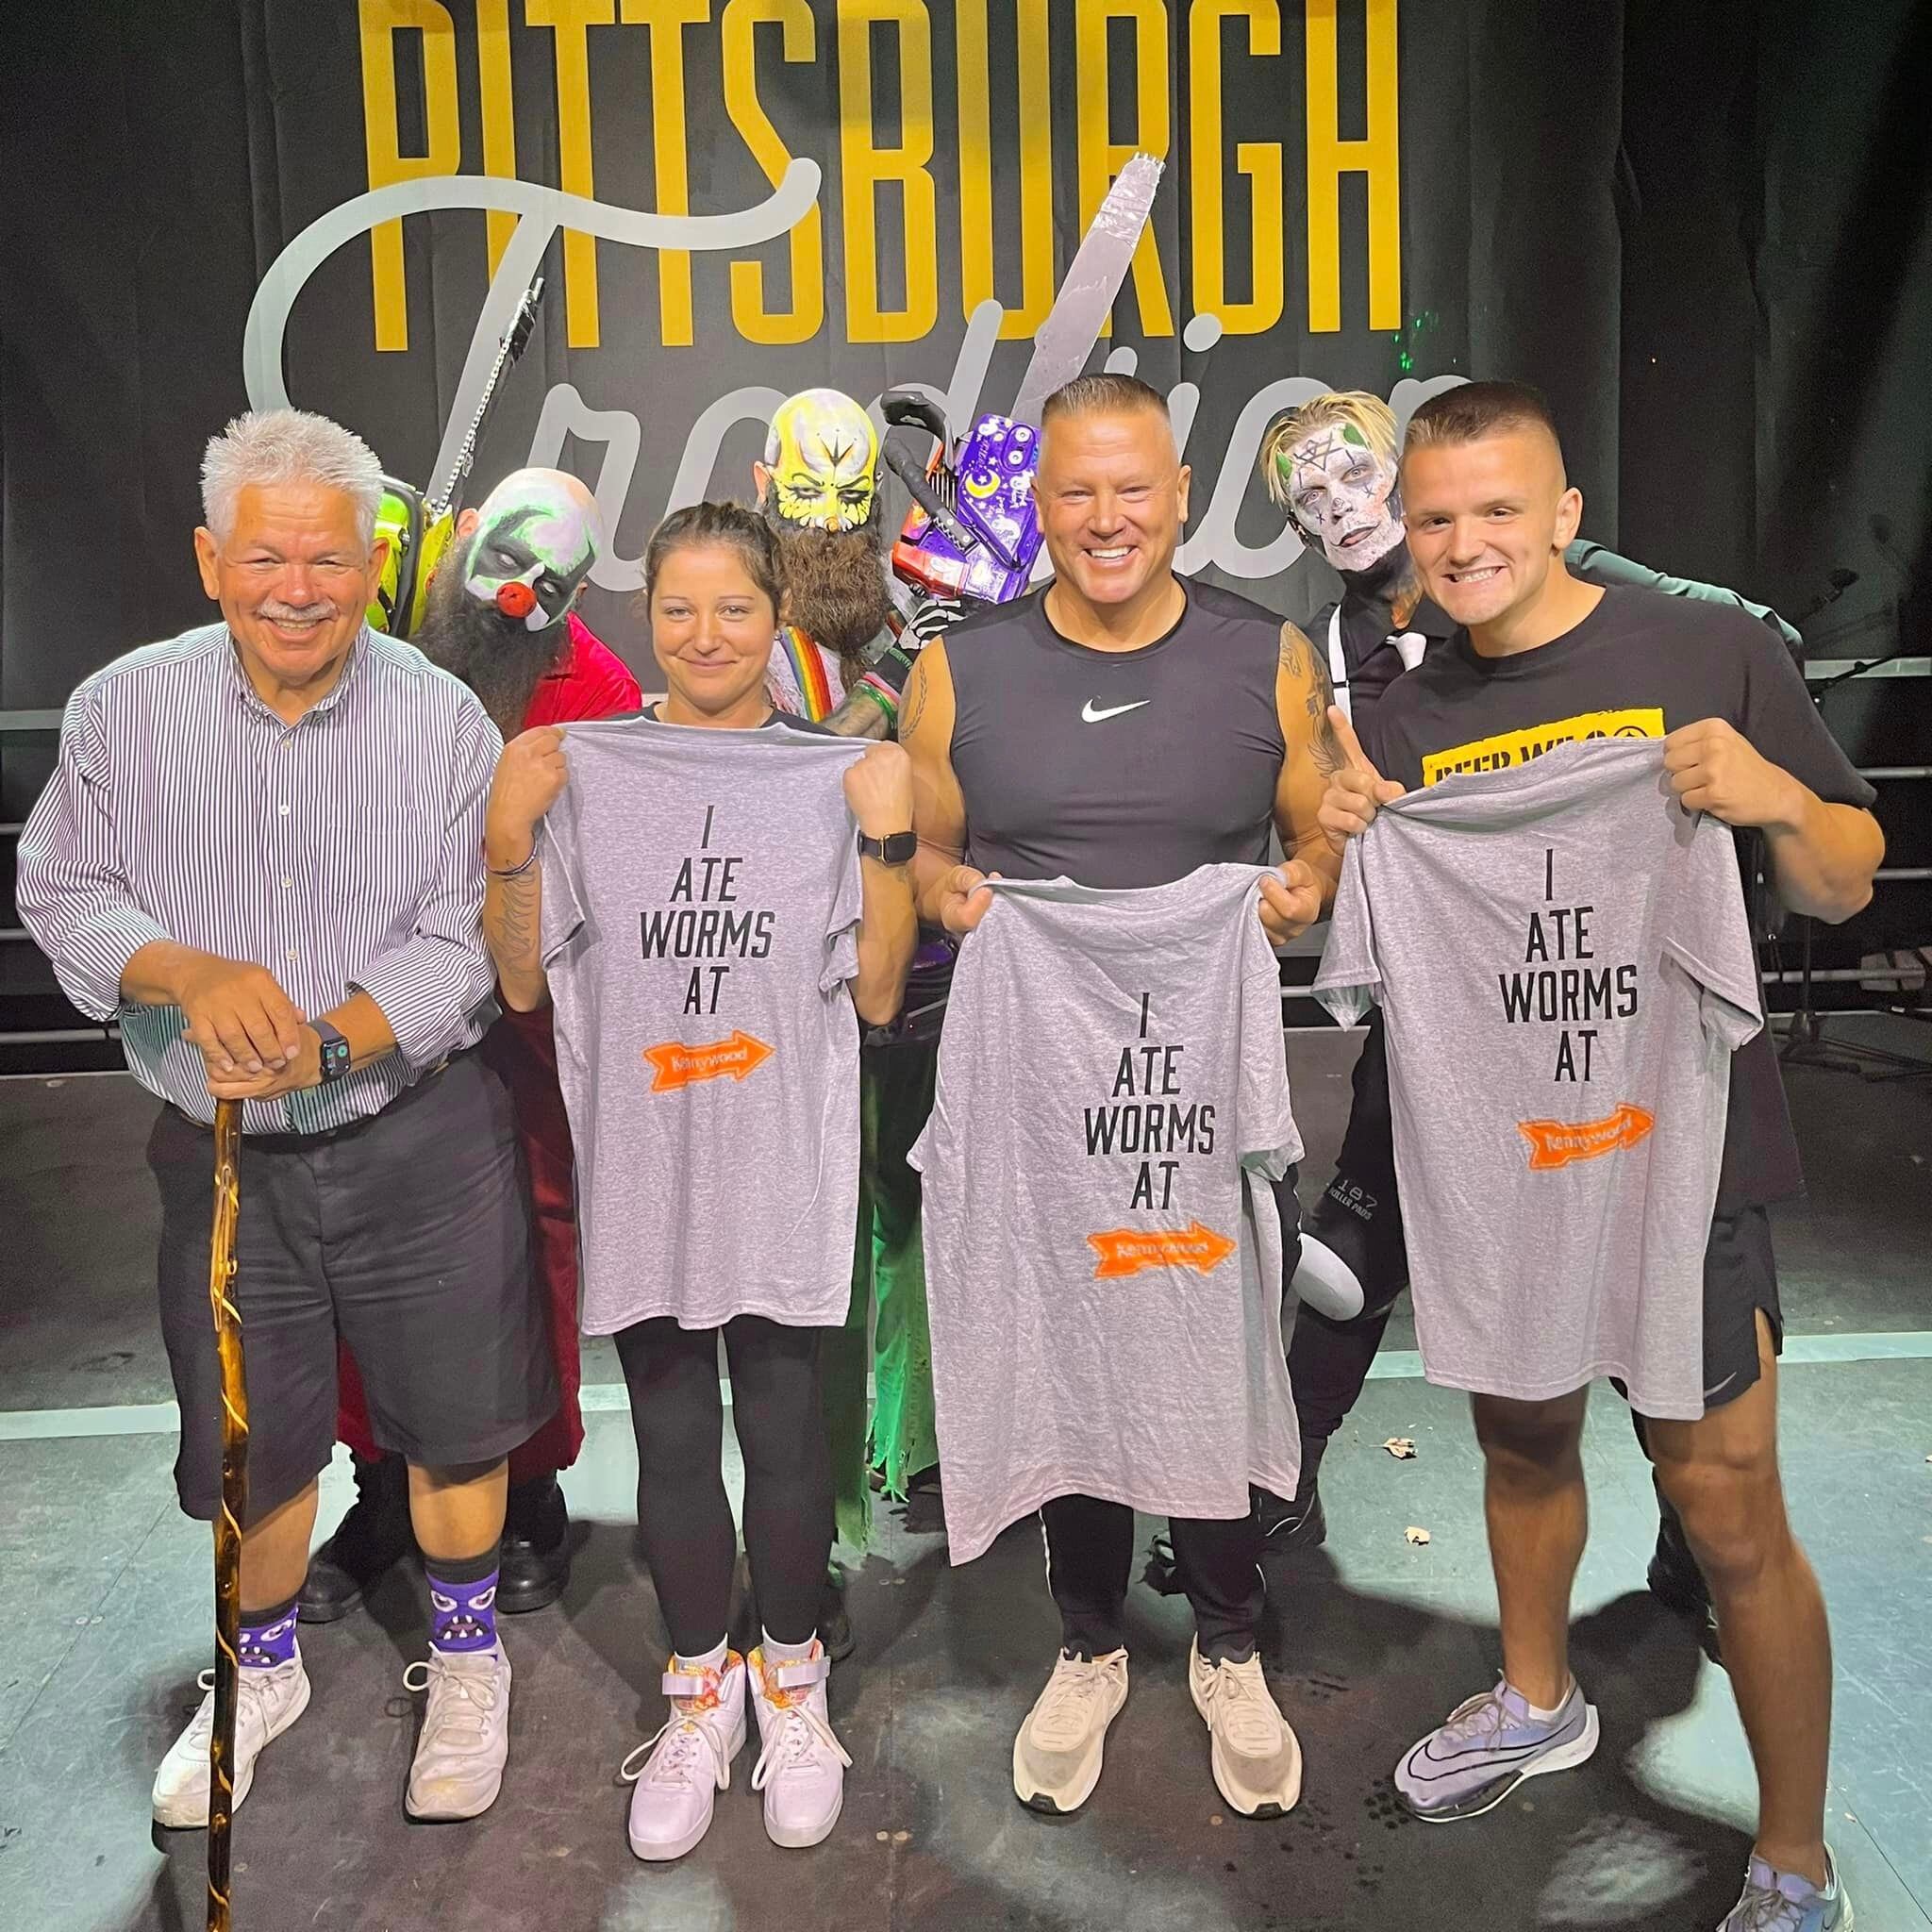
pixel 590 681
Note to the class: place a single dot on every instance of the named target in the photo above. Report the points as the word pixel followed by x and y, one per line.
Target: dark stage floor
pixel 104 1606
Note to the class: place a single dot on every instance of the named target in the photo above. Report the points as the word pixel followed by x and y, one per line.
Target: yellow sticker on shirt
pixel 1509 749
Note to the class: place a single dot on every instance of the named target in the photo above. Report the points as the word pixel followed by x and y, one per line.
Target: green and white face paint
pixel 537 536
pixel 1343 493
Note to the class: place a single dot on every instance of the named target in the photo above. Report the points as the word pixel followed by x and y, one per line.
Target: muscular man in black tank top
pixel 1122 728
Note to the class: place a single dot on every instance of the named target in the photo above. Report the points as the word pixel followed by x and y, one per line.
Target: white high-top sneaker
pixel 458 1769
pixel 802 1768
pixel 266 1703
pixel 688 1760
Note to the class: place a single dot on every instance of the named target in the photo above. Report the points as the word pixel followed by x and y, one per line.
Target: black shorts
pixel 407 1235
pixel 1739 1278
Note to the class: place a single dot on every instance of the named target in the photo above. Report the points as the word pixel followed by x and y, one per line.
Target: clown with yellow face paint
pixel 834 660
pixel 820 470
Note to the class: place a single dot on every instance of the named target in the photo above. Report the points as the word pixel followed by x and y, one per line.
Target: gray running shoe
pixel 1784 1902
pixel 1486 1748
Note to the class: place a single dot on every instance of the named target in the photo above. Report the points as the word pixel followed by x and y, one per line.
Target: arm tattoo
pixel 912 707
pixel 860 717
pixel 513 921
pixel 1303 665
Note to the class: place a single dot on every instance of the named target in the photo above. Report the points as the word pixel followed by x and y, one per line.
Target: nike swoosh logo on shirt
pixel 1091 716
pixel 1724 1383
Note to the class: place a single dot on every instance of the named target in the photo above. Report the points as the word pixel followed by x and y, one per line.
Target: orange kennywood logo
pixel 1127 1250
pixel 676 1065
pixel 1557 1143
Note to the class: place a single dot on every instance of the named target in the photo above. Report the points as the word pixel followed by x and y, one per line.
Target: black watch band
pixel 335 1050
pixel 896 848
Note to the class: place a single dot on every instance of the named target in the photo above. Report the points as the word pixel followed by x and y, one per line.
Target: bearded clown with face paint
pixel 532 544
pixel 1332 465
pixel 822 461
pixel 501 612
pixel 500 615
pixel 834 660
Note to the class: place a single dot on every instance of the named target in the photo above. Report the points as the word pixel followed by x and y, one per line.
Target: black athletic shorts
pixel 1739 1278
pixel 407 1235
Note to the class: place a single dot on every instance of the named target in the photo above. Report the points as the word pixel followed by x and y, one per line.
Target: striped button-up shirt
pixel 343 853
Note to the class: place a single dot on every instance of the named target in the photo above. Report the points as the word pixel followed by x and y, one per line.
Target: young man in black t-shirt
pixel 1331 464
pixel 1544 658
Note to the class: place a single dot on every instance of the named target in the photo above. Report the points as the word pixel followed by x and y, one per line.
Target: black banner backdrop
pixel 1703 231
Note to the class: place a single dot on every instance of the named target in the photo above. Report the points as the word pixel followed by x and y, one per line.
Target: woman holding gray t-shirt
pixel 713 590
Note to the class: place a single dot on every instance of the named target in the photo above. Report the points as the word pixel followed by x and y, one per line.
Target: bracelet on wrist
pixel 511 872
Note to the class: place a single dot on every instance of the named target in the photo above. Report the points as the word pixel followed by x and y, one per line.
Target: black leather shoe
pixel 1295 1525
pixel 535 1565
pixel 371 1539
pixel 926 1504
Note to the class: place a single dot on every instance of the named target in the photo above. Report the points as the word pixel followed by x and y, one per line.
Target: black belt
pixel 294 1143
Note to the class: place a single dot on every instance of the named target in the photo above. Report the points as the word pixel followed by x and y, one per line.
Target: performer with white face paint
pixel 1331 465
pixel 1341 491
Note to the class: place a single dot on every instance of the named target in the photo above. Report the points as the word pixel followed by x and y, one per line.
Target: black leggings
pixel 684 1515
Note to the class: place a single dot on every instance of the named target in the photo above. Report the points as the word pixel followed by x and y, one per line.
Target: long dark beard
pixel 834 586
pixel 499 660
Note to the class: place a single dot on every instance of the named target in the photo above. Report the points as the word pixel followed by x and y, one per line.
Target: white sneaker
pixel 802 1766
pixel 266 1703
pixel 1256 1755
pixel 690 1757
pixel 457 1769
pixel 1057 1753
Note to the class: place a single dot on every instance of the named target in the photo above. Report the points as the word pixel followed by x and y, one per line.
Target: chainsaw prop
pixel 418 528
pixel 973 533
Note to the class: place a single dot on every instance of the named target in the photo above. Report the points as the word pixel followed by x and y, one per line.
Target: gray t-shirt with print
pixel 1103 1276
pixel 1564 964
pixel 701 903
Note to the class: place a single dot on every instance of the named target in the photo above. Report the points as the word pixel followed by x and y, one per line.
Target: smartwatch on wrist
pixel 335 1050
pixel 896 848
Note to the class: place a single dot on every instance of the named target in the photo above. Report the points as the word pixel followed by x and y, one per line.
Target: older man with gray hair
pixel 261 852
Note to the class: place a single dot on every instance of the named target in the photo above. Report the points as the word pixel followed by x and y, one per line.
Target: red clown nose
pixel 516 600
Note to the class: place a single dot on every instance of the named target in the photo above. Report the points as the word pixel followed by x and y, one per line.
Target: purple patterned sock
pixel 462 1610
pixel 267 1637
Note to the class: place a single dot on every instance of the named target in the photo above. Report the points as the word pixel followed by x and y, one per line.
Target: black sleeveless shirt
pixel 1117 768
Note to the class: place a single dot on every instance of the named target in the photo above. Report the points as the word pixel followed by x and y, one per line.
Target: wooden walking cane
pixel 227 1319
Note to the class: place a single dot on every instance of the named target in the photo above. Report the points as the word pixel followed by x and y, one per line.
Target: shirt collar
pixel 250 698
